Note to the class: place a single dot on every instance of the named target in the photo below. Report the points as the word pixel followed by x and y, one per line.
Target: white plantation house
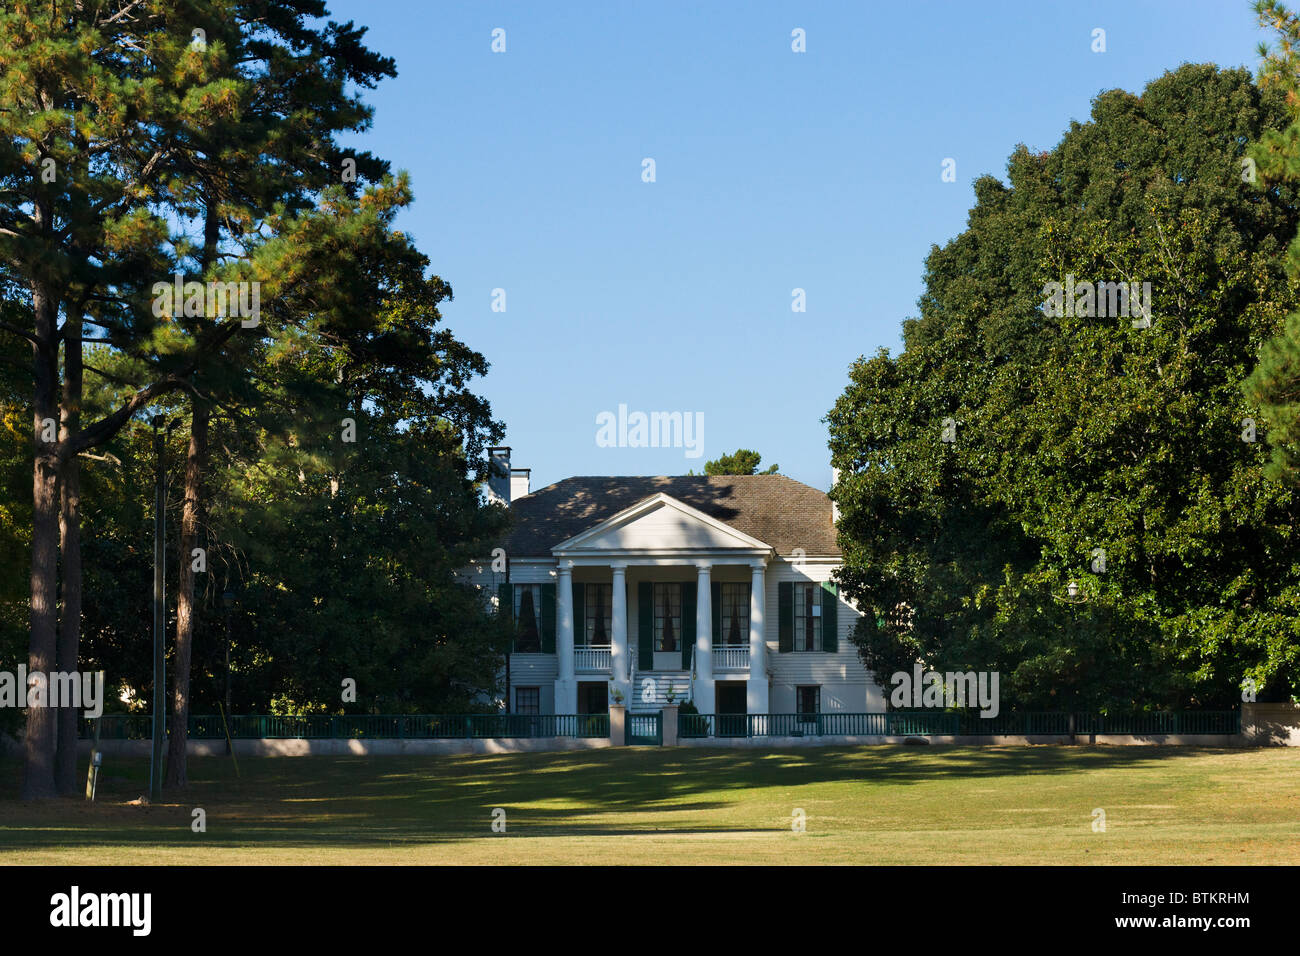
pixel 712 589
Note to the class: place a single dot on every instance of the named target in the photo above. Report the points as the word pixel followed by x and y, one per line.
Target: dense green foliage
pixel 339 491
pixel 1007 452
pixel 743 462
pixel 341 556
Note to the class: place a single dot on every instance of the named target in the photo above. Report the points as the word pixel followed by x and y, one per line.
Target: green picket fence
pixel 1182 722
pixel 909 723
pixel 921 723
pixel 373 726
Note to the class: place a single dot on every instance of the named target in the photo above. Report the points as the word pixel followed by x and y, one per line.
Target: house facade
pixel 714 589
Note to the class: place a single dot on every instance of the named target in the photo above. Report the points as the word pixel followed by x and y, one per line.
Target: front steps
pixel 650 690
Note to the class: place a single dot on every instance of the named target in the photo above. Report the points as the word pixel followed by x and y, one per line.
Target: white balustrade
pixel 592 657
pixel 731 657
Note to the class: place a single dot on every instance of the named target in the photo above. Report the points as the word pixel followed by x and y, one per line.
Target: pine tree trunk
pixel 195 461
pixel 38 756
pixel 65 764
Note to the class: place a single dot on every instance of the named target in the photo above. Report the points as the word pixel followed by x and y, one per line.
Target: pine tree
pixel 273 150
pixel 1275 383
pixel 81 172
pixel 219 115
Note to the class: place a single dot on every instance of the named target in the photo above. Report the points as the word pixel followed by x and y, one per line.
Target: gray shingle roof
pixel 777 510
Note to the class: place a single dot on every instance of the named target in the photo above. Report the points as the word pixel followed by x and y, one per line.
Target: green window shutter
pixel 785 616
pixel 830 616
pixel 645 626
pixel 548 618
pixel 717 615
pixel 506 607
pixel 579 614
pixel 689 632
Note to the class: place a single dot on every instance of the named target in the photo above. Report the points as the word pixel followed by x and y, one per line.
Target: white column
pixel 756 695
pixel 566 686
pixel 618 654
pixel 704 696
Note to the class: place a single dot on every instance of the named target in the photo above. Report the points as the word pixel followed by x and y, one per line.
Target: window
pixel 597 613
pixel 668 617
pixel 528 618
pixel 807 617
pixel 734 614
pixel 528 700
pixel 808 701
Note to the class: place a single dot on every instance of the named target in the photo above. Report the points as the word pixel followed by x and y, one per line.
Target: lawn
pixel 653 805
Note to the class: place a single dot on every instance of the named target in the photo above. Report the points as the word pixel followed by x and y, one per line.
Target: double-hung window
pixel 808 701
pixel 807 616
pixel 528 700
pixel 733 616
pixel 668 617
pixel 528 618
pixel 597 614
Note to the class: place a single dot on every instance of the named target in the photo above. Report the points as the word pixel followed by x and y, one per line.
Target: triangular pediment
pixel 660 525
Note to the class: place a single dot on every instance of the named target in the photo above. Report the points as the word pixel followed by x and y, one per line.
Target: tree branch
pixel 109 376
pixel 110 425
pixel 35 340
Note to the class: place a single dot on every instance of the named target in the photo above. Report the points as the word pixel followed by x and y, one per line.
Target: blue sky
pixel 774 171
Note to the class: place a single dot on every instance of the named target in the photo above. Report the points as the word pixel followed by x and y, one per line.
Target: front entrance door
pixel 593 697
pixel 731 704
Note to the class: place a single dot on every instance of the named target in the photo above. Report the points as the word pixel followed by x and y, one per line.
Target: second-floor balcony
pixel 731 657
pixel 591 659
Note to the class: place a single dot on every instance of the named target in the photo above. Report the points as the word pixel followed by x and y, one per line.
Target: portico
pixel 657 628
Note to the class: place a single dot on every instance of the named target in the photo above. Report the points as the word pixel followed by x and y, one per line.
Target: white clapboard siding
pixel 846 685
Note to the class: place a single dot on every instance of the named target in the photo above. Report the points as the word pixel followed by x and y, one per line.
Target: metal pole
pixel 228 599
pixel 159 607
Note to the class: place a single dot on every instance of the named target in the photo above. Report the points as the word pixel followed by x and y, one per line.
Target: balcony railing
pixel 592 657
pixel 731 657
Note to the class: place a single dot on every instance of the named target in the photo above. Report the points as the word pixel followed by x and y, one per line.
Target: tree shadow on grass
pixel 364 802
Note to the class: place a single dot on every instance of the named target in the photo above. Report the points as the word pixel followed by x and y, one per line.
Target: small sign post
pixel 96 760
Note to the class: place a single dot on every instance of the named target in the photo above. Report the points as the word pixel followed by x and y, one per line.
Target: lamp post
pixel 1074 594
pixel 159 601
pixel 228 600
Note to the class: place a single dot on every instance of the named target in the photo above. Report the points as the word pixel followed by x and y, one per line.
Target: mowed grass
pixel 867 805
